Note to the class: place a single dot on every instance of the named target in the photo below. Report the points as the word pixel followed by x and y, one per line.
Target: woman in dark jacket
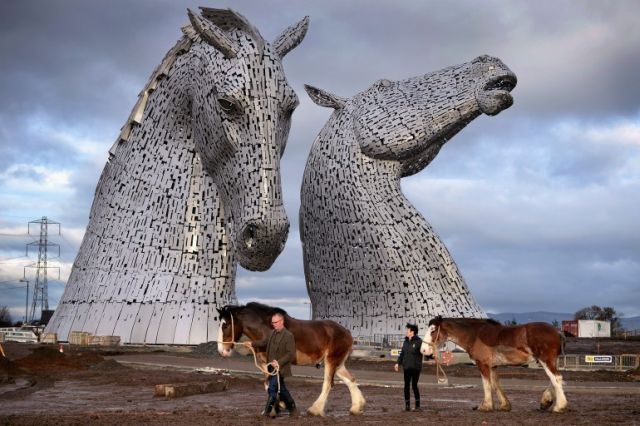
pixel 410 359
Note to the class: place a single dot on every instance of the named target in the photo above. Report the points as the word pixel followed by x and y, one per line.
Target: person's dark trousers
pixel 284 395
pixel 411 378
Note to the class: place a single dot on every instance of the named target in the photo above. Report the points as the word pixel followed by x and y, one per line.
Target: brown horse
pixel 316 342
pixel 490 344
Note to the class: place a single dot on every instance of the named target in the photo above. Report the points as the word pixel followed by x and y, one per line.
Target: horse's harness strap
pixel 439 369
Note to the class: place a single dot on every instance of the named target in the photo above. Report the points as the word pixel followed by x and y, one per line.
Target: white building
pixel 594 328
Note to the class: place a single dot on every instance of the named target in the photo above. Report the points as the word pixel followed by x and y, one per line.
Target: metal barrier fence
pixel 380 341
pixel 599 362
pixel 393 342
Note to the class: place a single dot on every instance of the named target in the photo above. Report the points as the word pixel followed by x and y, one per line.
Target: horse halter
pixel 434 342
pixel 232 342
pixel 440 380
pixel 265 370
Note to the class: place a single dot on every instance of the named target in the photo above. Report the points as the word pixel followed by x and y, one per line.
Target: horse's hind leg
pixel 317 409
pixel 505 405
pixel 357 400
pixel 556 381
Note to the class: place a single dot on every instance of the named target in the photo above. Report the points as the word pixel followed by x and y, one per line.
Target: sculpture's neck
pixel 158 196
pixel 365 179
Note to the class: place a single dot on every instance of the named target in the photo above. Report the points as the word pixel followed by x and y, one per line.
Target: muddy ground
pixel 39 385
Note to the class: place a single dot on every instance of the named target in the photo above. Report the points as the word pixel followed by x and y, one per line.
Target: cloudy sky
pixel 539 205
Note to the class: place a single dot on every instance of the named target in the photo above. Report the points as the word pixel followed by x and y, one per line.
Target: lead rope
pixel 441 380
pixel 264 369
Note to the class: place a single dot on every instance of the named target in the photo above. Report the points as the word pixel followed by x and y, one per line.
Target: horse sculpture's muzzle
pixel 493 94
pixel 259 242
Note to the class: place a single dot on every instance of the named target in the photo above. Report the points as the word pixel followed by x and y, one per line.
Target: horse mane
pixel 135 117
pixel 266 308
pixel 439 319
pixel 260 308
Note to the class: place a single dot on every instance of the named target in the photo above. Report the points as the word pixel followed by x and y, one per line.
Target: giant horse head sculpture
pixel 241 107
pixel 191 188
pixel 410 120
pixel 371 260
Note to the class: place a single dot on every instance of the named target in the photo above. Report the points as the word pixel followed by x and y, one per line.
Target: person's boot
pixel 290 404
pixel 269 409
pixel 418 405
pixel 407 406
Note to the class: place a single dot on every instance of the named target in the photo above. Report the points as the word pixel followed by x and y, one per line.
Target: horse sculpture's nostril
pixel 249 235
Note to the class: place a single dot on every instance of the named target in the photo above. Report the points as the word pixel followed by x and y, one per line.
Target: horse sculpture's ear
pixel 324 98
pixel 213 35
pixel 291 37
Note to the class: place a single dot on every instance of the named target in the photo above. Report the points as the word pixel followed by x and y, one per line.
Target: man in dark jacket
pixel 281 350
pixel 410 359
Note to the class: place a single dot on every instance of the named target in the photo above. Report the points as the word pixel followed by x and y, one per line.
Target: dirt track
pixel 83 387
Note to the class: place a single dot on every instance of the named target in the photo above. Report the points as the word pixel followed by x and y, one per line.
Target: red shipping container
pixel 570 327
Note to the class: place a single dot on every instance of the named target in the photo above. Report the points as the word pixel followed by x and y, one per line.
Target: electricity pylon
pixel 40 289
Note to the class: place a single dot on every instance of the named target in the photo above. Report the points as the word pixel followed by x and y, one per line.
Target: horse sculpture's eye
pixel 228 106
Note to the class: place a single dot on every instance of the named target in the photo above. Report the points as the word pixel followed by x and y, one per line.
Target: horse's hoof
pixel 545 405
pixel 313 412
pixel 483 408
pixel 356 412
pixel 559 410
pixel 505 408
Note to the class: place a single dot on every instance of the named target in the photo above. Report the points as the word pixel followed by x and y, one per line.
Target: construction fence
pixel 622 362
pixel 388 345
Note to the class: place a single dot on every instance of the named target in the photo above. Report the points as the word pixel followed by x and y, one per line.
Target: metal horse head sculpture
pixel 371 260
pixel 192 186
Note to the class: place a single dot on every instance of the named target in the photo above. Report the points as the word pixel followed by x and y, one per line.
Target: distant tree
pixel 607 313
pixel 555 324
pixel 512 321
pixel 5 317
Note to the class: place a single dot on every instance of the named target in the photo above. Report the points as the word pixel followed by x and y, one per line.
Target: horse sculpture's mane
pixel 227 20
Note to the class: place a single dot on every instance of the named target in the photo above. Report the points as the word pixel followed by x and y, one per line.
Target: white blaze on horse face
pixel 223 350
pixel 427 348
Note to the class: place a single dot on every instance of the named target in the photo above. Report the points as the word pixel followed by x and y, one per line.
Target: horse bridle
pixel 436 354
pixel 233 334
pixel 276 370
